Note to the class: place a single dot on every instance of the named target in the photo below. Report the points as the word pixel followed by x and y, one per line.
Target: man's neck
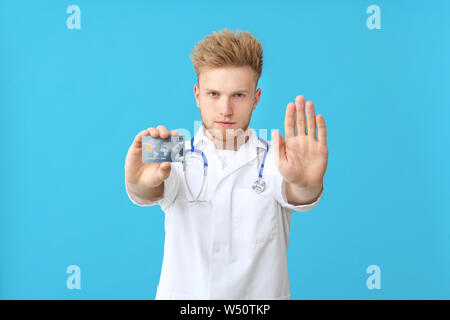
pixel 234 143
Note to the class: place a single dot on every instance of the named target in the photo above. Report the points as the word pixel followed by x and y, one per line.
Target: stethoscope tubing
pixel 259 181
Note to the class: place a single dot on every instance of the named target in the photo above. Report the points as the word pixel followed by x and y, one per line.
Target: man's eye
pixel 240 94
pixel 212 93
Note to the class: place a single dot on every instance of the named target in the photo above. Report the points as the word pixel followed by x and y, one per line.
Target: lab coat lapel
pixel 246 153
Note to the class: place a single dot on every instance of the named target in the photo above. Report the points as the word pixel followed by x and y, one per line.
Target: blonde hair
pixel 225 48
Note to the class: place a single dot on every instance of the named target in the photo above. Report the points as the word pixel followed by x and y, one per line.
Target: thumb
pixel 164 170
pixel 279 147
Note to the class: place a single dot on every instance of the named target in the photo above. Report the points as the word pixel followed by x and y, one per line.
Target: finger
pixel 174 133
pixel 300 115
pixel 311 119
pixel 322 129
pixel 163 132
pixel 279 147
pixel 289 124
pixel 137 143
pixel 154 132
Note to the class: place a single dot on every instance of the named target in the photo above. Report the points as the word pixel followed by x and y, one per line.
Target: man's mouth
pixel 225 123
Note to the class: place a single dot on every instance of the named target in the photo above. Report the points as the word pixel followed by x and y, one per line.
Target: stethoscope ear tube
pixel 260 185
pixel 205 170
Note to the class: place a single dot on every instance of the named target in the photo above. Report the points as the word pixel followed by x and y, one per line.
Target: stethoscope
pixel 259 185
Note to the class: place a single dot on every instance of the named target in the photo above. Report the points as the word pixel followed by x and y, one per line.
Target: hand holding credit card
pixel 156 150
pixel 145 172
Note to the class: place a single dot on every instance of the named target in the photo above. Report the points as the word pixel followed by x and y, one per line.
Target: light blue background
pixel 73 100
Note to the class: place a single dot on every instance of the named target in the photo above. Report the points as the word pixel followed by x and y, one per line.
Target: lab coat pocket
pixel 253 216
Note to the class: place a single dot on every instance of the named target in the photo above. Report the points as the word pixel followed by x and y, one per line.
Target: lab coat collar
pixel 246 153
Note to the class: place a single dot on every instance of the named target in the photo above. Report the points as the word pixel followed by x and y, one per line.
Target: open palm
pixel 302 158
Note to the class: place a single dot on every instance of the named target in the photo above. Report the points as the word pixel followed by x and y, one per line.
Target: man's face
pixel 226 98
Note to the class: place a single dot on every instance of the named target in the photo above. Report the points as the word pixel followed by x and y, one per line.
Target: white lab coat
pixel 233 247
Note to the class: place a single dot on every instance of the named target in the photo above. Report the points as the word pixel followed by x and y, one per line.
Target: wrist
pixel 302 194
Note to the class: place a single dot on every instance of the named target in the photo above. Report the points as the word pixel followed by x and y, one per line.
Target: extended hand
pixel 301 158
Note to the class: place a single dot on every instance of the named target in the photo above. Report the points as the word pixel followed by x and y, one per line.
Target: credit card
pixel 156 150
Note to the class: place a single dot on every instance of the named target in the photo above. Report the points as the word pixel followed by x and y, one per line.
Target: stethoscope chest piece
pixel 259 185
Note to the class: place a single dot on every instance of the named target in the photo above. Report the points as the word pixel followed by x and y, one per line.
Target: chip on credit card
pixel 170 149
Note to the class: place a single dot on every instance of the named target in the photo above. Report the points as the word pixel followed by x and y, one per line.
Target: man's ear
pixel 196 94
pixel 257 97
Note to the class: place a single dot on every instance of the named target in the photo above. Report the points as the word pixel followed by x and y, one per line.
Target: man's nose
pixel 226 107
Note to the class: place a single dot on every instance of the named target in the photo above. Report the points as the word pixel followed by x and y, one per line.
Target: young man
pixel 232 242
